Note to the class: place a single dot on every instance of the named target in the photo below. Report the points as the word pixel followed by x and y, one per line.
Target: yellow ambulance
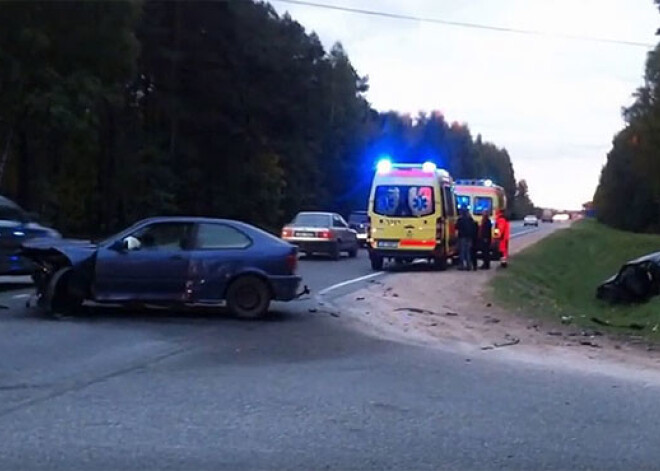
pixel 412 214
pixel 479 196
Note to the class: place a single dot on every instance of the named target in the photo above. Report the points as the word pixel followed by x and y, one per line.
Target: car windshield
pixel 404 200
pixel 312 220
pixel 358 218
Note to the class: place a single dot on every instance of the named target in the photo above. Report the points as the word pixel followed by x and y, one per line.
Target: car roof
pixel 321 213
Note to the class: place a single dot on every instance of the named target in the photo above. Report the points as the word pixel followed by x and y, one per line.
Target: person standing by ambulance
pixel 502 224
pixel 485 238
pixel 465 229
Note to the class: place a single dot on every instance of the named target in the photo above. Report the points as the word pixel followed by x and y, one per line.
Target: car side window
pixel 220 236
pixel 164 236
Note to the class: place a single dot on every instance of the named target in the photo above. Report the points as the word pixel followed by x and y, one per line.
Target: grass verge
pixel 558 277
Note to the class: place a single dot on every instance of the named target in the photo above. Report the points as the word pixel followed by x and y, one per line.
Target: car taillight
pixel 286 232
pixel 325 234
pixel 292 262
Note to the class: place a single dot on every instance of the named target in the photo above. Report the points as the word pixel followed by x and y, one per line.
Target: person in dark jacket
pixel 485 239
pixel 465 229
pixel 475 245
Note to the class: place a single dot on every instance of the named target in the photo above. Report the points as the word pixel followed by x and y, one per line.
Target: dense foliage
pixel 628 195
pixel 114 111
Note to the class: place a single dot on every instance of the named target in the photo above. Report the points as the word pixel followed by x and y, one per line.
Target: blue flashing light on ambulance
pixel 412 213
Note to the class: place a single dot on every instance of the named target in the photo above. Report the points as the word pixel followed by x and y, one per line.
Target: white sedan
pixel 531 220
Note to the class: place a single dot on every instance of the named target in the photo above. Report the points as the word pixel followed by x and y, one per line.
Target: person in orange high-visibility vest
pixel 502 225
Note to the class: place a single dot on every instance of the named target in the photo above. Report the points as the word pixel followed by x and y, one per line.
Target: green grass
pixel 558 277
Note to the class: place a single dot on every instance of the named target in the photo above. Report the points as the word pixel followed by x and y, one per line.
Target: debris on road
pixel 360 298
pixel 632 325
pixel 491 320
pixel 510 342
pixel 589 343
pixel 312 310
pixel 334 314
pixel 556 333
pixel 566 319
pixel 451 314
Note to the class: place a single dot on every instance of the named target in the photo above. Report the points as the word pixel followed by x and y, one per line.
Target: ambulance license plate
pixel 388 244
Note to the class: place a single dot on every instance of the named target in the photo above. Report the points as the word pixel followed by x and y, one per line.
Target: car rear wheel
pixel 335 253
pixel 248 297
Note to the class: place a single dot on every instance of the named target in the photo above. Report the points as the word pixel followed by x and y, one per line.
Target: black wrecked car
pixel 16 227
pixel 637 281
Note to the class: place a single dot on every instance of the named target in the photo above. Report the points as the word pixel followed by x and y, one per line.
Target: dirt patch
pixel 454 310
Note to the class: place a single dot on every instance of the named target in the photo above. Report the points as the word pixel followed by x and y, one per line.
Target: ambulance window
pixel 482 203
pixel 463 201
pixel 404 201
pixel 450 201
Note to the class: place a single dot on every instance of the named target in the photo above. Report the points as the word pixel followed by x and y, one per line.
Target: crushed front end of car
pixel 637 281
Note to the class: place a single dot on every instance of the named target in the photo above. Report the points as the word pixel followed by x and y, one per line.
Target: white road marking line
pixel 325 291
pixel 20 296
pixel 518 234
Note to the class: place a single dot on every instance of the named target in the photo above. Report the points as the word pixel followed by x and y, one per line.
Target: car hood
pixel 76 250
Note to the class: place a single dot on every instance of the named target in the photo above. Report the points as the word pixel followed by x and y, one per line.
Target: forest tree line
pixel 115 111
pixel 628 195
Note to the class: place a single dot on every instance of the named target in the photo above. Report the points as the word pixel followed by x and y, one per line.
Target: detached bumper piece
pixel 636 282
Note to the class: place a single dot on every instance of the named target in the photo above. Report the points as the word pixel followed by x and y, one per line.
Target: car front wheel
pixel 248 297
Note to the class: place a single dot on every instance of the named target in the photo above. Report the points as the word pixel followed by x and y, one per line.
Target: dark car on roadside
pixel 359 222
pixel 16 227
pixel 169 261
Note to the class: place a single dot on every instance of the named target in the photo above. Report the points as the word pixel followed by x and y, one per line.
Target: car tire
pixel 248 297
pixel 353 252
pixel 60 299
pixel 376 262
pixel 335 253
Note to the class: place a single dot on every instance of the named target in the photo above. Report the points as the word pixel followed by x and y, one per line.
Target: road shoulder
pixel 454 310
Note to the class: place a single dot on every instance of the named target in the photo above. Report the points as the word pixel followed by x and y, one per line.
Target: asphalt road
pixel 304 390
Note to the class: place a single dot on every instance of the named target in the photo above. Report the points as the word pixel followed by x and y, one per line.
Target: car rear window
pixel 312 220
pixel 404 200
pixel 358 218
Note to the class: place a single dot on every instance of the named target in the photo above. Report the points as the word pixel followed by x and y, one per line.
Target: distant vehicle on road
pixel 16 227
pixel 323 233
pixel 560 217
pixel 412 212
pixel 531 220
pixel 546 216
pixel 173 261
pixel 359 222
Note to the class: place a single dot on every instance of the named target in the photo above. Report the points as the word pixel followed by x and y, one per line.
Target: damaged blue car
pixel 168 261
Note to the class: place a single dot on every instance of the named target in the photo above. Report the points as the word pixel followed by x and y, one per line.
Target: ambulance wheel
pixel 376 262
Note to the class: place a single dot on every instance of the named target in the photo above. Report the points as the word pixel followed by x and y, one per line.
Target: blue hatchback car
pixel 172 261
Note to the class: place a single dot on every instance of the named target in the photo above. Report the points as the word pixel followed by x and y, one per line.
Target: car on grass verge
pixel 168 261
pixel 359 222
pixel 531 220
pixel 16 227
pixel 320 232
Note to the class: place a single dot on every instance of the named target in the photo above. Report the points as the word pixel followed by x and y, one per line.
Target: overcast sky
pixel 555 104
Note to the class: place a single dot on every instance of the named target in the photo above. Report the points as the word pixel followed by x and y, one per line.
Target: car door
pixel 155 270
pixel 344 233
pixel 219 252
